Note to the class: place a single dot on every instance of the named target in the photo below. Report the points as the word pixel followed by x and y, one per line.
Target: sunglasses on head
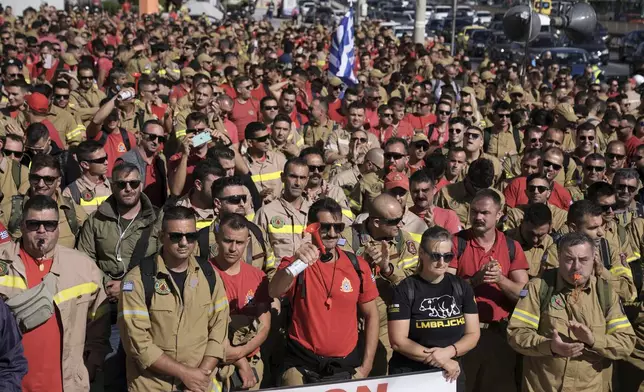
pixel 393 155
pixel 151 137
pixel 176 237
pixel 596 169
pixel 34 225
pixel 436 256
pixel 624 187
pixel 100 160
pixel 234 199
pixel 122 184
pixel 337 227
pixel 319 169
pixel 261 139
pixel 537 188
pixel 554 166
pixel 390 222
pixel 48 180
pixel 618 157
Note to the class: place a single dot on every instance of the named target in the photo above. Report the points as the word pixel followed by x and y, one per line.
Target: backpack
pixel 457 288
pixel 203 241
pixel 18 202
pixel 149 273
pixel 487 135
pixel 16 174
pixel 124 136
pixel 462 244
pixel 547 288
pixel 354 261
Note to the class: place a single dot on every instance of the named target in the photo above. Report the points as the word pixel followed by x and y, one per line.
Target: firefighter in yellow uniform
pixel 570 313
pixel 69 128
pixel 88 195
pixel 514 217
pixel 169 295
pixel 376 239
pixel 88 99
pixel 266 173
pixel 14 180
pixel 369 186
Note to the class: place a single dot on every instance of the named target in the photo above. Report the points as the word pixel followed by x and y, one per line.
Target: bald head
pixel 376 156
pixel 385 206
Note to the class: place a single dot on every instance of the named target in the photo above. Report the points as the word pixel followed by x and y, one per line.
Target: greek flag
pixel 342 57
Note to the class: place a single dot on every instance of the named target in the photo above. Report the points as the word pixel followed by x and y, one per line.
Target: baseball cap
pixel 487 75
pixel 38 103
pixel 396 180
pixel 69 59
pixel 204 58
pixel 187 72
pixel 335 81
pixel 419 137
pixel 516 90
pixel 567 111
pixel 376 73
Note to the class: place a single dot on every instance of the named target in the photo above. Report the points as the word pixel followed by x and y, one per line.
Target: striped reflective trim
pixel 526 317
pixel 203 223
pixel 408 262
pixel 266 176
pixel 13 281
pixel 147 71
pixel 353 203
pixel 180 133
pixel 162 72
pixel 134 313
pixel 216 387
pixel 416 237
pixel 74 292
pixel 100 312
pixel 219 306
pixel 299 142
pixel 176 70
pixel 286 229
pixel 348 213
pixel 97 201
pixel 632 258
pixel 637 254
pixel 620 270
pixel 615 324
pixel 250 216
pixel 270 261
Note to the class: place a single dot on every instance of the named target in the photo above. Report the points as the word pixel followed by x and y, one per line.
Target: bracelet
pixel 455 350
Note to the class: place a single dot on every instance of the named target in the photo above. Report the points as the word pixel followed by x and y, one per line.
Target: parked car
pixel 637 59
pixel 435 26
pixel 573 58
pixel 595 46
pixel 467 9
pixel 542 42
pixel 630 44
pixel 441 11
pixel 477 43
pixel 483 17
pixel 501 48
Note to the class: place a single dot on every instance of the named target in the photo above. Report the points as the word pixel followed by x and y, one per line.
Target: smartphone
pixel 201 138
pixel 48 61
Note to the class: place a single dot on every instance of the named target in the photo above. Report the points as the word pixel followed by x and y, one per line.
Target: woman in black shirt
pixel 433 318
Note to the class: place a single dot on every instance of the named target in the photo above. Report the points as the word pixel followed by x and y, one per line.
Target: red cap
pixel 38 103
pixel 396 180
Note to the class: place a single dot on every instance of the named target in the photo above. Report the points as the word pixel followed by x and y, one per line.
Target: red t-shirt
pixel 152 187
pixel 492 303
pixel 336 116
pixel 53 133
pixel 243 114
pixel 405 131
pixel 178 92
pixel 105 64
pixel 335 105
pixel 258 93
pixel 232 131
pixel 444 218
pixel 115 147
pixel 371 117
pixel 420 123
pixel 42 345
pixel 173 164
pixel 298 118
pixel 229 90
pixel 330 332
pixel 631 146
pixel 515 195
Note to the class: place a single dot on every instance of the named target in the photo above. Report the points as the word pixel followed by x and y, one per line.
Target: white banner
pixel 434 382
pixel 288 6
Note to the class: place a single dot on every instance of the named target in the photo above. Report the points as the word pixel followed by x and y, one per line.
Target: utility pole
pixel 419 23
pixel 453 47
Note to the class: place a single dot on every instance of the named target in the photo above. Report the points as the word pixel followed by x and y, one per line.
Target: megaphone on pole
pixel 521 24
pixel 578 22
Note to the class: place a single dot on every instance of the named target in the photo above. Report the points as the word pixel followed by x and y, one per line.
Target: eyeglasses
pixel 609 207
pixel 359 139
pixel 618 157
pixel 234 199
pixel 455 130
pixel 596 169
pixel 446 257
pixel 471 135
pixel 122 184
pixel 552 164
pixel 387 115
pixel 444 112
pixel 271 107
pixel 537 188
pixel 261 139
pixel 423 146
pixel 152 137
pixel 176 237
pixel 393 155
pixel 16 154
pixel 101 160
pixel 624 187
pixel 587 138
pixel 319 169
pixel 535 140
pixel 390 222
pixel 337 227
pixel 13 75
pixel 48 180
pixel 34 225
pixel 61 96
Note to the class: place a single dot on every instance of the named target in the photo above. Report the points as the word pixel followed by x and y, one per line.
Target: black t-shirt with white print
pixel 436 316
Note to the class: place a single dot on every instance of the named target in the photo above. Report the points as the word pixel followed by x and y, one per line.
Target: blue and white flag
pixel 343 55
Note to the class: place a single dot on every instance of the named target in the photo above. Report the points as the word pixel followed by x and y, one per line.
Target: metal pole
pixel 526 58
pixel 419 23
pixel 454 27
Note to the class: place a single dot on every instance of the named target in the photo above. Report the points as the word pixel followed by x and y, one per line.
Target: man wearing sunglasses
pixel 333 289
pixel 397 185
pixel 422 190
pixel 66 117
pixel 336 147
pixel 503 139
pixel 626 183
pixel 317 187
pixel 418 150
pixel 246 109
pixel 67 329
pixel 369 164
pixel 625 135
pixel 533 234
pixel 320 126
pixel 422 117
pixel 335 88
pixel 269 110
pixel 607 129
pixel 92 188
pixel 473 142
pixel 616 158
pixel 455 133
pixel 87 96
pixel 585 143
pixel 593 171
pixel 44 179
pixel 533 137
pixel 264 164
pixel 197 310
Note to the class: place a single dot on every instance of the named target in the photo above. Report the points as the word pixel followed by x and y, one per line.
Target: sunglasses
pixel 151 137
pixel 587 138
pixel 261 139
pixel 551 164
pixel 48 180
pixel 101 160
pixel 596 169
pixel 470 135
pixel 319 169
pixel 618 157
pixel 388 115
pixel 391 222
pixel 176 237
pixel 423 146
pixel 444 112
pixel 503 115
pixel 271 107
pixel 398 192
pixel 234 199
pixel 359 139
pixel 16 154
pixel 464 113
pixel 624 187
pixel 61 96
pixel 337 227
pixel 609 207
pixel 86 77
pixel 122 184
pixel 393 155
pixel 34 225
pixel 596 90
pixel 537 188
pixel 455 130
pixel 446 257
pixel 13 75
pixel 535 140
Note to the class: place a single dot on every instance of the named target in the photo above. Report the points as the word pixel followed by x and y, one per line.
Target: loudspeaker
pixel 579 22
pixel 516 23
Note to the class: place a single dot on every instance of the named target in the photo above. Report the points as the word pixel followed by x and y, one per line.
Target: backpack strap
pixel 604 252
pixel 566 163
pixel 126 138
pixel 148 273
pixel 604 295
pixel 202 242
pixel 103 139
pixel 487 135
pixel 16 174
pixel 70 215
pixel 548 280
pixel 400 243
pixel 462 244
pixel 73 189
pixel 639 209
pixel 138 121
pixel 17 202
pixel 142 244
pixel 257 232
pixel 517 138
pixel 208 272
pixel 457 286
pixel 638 274
pixel 511 248
pixel 621 233
pixel 354 261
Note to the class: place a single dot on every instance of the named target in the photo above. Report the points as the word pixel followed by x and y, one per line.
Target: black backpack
pixel 124 136
pixel 457 288
pixel 204 245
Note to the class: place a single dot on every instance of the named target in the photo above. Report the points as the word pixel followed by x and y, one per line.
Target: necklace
pixel 328 301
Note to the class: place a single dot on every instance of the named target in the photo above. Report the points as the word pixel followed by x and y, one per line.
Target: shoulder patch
pixel 523 293
pixel 128 285
pixel 411 247
pixel 342 241
pixel 277 222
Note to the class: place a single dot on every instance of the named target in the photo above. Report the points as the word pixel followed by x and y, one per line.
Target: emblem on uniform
pixel 453 204
pixel 214 250
pixel 346 286
pixel 121 147
pixel 360 251
pixel 411 247
pixel 277 222
pixel 161 287
pixel 4 269
pixel 557 302
pixel 251 112
pixel 128 285
pixel 194 282
pixel 88 195
pixel 249 296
